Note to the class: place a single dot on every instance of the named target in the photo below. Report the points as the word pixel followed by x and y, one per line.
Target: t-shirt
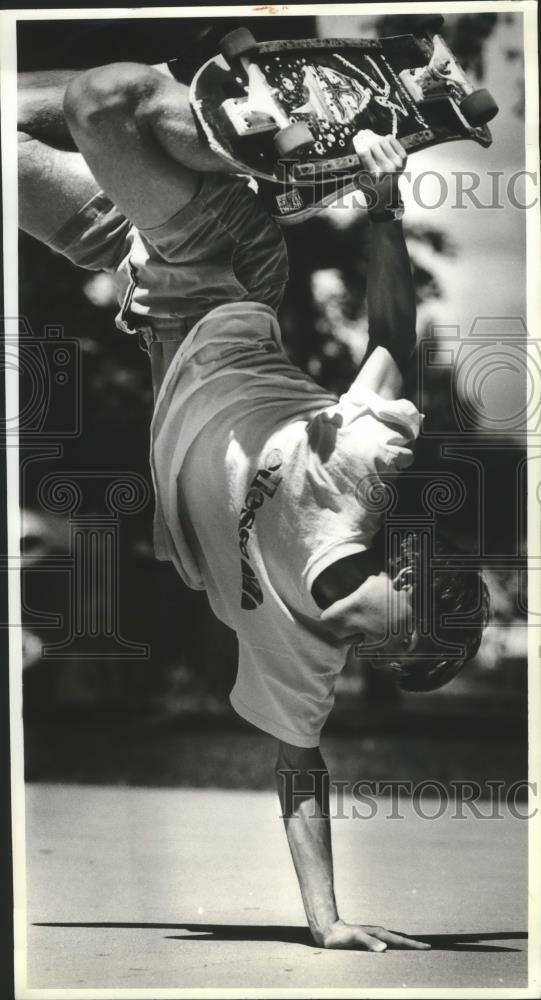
pixel 263 479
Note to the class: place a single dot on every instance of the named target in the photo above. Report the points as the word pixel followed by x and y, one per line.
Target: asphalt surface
pixel 135 888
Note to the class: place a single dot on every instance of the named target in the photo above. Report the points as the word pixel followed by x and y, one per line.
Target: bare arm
pixel 303 787
pixel 391 312
pixel 391 327
pixel 390 289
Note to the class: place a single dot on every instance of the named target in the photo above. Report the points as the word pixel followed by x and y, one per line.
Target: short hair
pixel 453 591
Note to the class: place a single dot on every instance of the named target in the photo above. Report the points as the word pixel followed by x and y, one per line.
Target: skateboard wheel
pixel 236 44
pixel 427 25
pixel 479 107
pixel 293 139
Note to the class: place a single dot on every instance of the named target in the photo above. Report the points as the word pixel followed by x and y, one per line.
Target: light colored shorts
pixel 221 247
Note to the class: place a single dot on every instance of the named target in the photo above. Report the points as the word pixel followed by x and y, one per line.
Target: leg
pixel 55 183
pixel 61 204
pixel 135 128
pixel 40 106
pixel 53 186
pixel 209 235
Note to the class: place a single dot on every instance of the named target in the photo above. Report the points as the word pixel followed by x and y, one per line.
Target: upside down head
pixel 451 606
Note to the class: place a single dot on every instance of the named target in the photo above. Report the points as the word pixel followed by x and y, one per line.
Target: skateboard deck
pixel 287 111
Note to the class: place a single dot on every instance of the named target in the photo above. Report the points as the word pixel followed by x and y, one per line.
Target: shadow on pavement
pixel 471 942
pixel 301 935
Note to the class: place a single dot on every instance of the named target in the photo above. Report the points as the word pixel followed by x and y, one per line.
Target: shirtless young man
pixel 260 474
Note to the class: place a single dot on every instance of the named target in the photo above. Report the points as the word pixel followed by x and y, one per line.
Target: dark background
pixel 165 719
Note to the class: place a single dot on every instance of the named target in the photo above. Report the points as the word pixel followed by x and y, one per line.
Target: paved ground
pixel 159 888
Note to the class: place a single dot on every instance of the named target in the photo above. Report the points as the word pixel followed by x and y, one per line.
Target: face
pixel 394 652
pixel 390 650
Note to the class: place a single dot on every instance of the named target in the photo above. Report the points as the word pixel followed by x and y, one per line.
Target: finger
pixel 363 140
pixel 393 156
pixel 365 143
pixel 398 148
pixel 369 163
pixel 385 163
pixel 398 940
pixel 369 942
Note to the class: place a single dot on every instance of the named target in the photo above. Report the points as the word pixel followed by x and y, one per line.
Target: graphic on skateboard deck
pixel 287 111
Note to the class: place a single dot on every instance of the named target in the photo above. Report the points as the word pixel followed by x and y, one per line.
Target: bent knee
pixel 112 92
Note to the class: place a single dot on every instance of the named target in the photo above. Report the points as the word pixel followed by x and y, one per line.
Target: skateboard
pixel 287 112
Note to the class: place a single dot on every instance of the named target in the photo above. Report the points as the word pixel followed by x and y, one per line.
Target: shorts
pixel 221 247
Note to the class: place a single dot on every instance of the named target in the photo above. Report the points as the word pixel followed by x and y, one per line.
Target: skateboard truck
pixel 442 77
pixel 259 111
pixel 246 120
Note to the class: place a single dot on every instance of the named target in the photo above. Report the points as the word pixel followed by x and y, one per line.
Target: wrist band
pixel 394 213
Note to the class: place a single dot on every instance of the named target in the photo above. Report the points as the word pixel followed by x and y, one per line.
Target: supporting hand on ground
pixel 363 937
